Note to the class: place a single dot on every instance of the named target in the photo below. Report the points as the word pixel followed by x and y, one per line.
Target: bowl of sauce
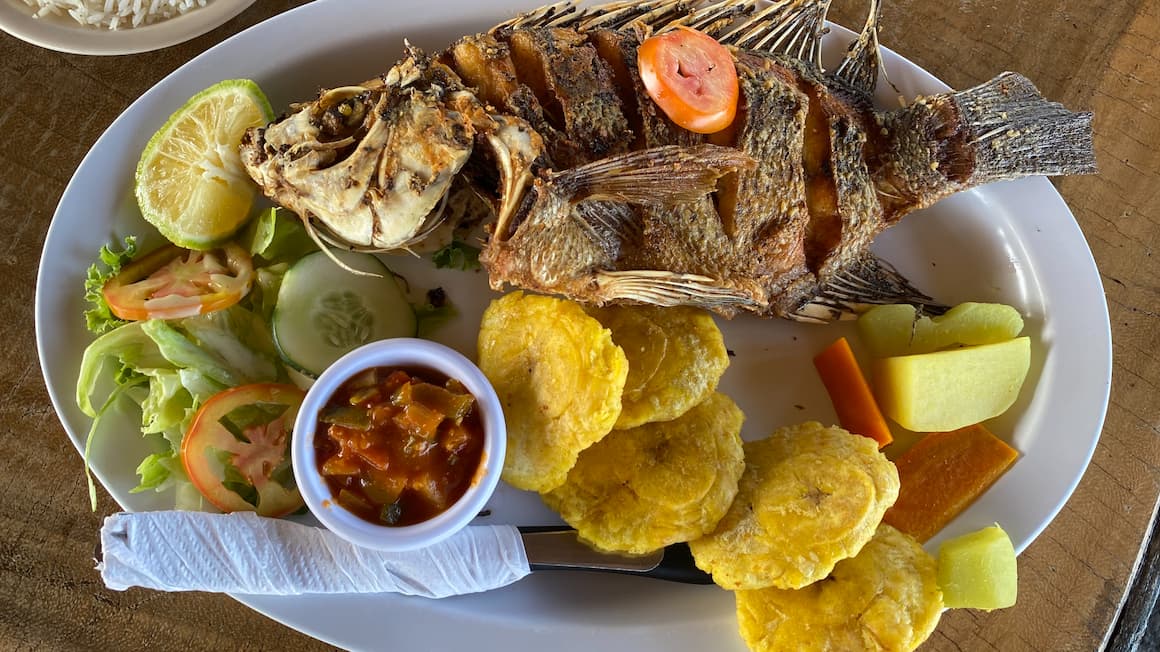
pixel 398 444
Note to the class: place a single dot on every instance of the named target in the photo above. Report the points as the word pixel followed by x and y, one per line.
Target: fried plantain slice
pixel 884 598
pixel 559 378
pixel 642 489
pixel 676 356
pixel 810 497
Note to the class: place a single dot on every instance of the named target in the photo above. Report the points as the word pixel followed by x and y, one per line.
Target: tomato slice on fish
pixel 237 450
pixel 692 79
pixel 171 283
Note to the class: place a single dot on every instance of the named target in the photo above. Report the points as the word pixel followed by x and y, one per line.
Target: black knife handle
pixel 678 566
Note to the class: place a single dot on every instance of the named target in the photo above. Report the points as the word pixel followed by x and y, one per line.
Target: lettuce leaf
pixel 263 295
pixel 99 318
pixel 165 472
pixel 457 255
pixel 277 236
pixel 160 471
pixel 168 404
pixel 239 340
pixel 127 347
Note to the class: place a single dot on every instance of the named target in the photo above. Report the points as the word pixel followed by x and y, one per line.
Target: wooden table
pixel 1075 579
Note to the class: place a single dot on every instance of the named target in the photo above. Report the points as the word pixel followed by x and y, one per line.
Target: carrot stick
pixel 853 401
pixel 942 475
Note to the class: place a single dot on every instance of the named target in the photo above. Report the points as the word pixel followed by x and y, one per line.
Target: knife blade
pixel 554 548
pixel 245 553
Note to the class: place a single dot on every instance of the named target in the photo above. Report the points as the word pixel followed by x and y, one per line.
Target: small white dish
pixel 404 353
pixel 63 34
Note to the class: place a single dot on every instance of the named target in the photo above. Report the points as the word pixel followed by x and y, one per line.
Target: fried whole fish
pixel 599 197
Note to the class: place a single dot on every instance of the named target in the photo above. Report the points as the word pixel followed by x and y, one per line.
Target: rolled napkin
pixel 246 553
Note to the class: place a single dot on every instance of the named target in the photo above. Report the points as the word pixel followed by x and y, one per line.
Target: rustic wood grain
pixel 1073 579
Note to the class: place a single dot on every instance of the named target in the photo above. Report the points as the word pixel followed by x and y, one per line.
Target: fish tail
pixel 1016 132
pixel 1002 129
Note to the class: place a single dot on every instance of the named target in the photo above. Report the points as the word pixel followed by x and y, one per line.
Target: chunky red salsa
pixel 399 446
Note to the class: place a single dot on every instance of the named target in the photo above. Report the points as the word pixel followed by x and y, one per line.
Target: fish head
pixel 366 166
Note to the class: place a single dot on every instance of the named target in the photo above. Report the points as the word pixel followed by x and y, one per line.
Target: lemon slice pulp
pixel 190 182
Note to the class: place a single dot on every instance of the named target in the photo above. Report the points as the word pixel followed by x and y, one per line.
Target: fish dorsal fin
pixel 715 18
pixel 860 66
pixel 620 15
pixel 558 13
pixel 790 27
pixel 611 15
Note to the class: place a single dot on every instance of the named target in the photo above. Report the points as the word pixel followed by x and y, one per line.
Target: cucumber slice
pixel 324 311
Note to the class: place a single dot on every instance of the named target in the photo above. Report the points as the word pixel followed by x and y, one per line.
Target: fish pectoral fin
pixel 870 281
pixel 661 288
pixel 863 59
pixel 661 175
pixel 791 27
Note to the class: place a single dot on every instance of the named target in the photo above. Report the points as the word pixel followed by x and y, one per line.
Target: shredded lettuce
pixel 169 369
pixel 99 318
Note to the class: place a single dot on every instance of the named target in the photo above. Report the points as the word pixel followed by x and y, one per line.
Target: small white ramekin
pixel 400 352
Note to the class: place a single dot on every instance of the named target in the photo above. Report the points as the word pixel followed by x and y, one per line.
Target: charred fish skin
pixel 790 237
pixel 552 111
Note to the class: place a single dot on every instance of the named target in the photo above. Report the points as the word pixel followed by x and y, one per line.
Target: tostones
pixel 559 378
pixel 642 489
pixel 810 497
pixel 676 356
pixel 884 598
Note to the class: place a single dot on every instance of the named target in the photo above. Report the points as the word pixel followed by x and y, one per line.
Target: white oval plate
pixel 1014 242
pixel 62 33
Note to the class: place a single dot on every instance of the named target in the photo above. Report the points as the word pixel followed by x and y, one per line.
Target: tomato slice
pixel 692 79
pixel 171 283
pixel 237 450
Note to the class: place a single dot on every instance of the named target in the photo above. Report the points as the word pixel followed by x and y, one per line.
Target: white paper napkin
pixel 246 553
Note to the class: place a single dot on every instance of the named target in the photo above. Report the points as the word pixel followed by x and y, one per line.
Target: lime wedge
pixel 190 181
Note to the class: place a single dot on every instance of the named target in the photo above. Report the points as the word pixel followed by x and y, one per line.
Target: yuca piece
pixel 810 497
pixel 559 378
pixel 642 489
pixel 885 598
pixel 675 358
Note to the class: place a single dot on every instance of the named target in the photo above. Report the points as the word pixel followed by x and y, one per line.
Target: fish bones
pixel 598 196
